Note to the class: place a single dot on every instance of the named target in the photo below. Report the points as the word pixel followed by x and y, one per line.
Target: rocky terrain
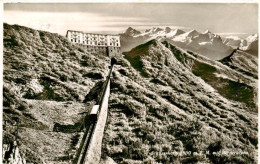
pixel 167 104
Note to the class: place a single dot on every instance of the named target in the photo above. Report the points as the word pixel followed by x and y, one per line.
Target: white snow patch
pixel 252 38
pixel 205 43
pixel 233 37
pixel 223 76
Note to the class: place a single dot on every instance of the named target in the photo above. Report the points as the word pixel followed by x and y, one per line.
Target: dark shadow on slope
pixel 230 89
pixel 181 57
pixel 158 81
pixel 134 56
pixel 228 62
pixel 11 42
pixel 137 64
pixel 93 75
pixel 48 92
pixel 68 128
pixel 228 58
pixel 94 92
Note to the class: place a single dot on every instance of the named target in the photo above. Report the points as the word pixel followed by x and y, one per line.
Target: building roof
pixel 90 33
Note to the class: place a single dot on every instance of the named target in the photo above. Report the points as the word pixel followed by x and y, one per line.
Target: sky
pixel 240 19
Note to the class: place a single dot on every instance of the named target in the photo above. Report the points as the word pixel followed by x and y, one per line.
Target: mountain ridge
pixel 183 101
pixel 206 43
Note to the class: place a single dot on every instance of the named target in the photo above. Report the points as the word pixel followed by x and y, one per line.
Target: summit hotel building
pixel 96 43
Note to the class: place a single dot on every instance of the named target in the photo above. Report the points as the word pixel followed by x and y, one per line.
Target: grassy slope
pixel 171 110
pixel 134 56
pixel 233 90
pixel 150 120
pixel 43 75
pixel 242 62
pixel 230 89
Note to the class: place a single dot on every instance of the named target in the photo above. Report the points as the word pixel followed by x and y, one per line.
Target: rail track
pixel 90 120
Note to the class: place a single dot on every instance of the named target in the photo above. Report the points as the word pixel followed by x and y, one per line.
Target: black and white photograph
pixel 141 82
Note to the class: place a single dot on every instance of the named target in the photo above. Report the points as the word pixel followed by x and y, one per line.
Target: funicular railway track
pixel 90 121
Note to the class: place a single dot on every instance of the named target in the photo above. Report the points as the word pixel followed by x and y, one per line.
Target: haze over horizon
pixel 223 19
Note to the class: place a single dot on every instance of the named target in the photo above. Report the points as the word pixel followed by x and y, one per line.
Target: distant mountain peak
pixel 147 30
pixel 192 33
pixel 129 28
pixel 156 29
pixel 255 35
pixel 131 31
pixel 207 32
pixel 167 29
pixel 177 32
pixel 252 38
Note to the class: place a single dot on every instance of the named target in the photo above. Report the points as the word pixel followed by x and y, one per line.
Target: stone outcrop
pixel 11 154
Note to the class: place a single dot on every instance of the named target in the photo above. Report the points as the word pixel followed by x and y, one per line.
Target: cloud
pixel 60 22
pixel 116 17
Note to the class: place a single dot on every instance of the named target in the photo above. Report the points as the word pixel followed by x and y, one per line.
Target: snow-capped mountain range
pixel 250 44
pixel 208 44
